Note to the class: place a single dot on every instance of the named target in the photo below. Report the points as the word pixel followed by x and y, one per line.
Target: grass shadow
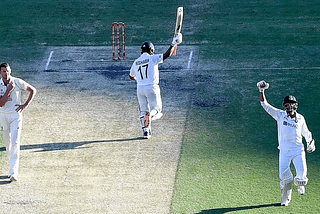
pixel 68 145
pixel 232 209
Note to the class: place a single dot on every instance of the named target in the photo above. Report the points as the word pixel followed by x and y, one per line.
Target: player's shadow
pixel 4 180
pixel 232 209
pixel 68 145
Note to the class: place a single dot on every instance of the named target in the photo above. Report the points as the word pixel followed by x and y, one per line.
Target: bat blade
pixel 178 26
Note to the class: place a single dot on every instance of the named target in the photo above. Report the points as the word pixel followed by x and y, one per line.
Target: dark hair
pixel 4 65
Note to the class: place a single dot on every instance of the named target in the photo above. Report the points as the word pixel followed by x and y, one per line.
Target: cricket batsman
pixel 145 72
pixel 292 128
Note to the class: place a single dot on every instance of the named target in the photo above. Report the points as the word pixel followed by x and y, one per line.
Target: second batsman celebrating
pixel 292 128
pixel 145 71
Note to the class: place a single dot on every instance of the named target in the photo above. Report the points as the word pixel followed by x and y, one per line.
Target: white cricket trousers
pixel 11 125
pixel 298 157
pixel 149 96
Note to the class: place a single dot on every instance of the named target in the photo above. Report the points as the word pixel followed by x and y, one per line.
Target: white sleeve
pixel 157 59
pixel 132 70
pixel 274 112
pixel 21 84
pixel 305 131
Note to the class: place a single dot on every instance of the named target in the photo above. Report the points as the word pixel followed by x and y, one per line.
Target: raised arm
pixel 168 53
pixel 262 96
pixel 262 85
pixel 176 41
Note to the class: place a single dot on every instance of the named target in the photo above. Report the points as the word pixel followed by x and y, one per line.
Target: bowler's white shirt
pixel 15 96
pixel 146 70
pixel 290 132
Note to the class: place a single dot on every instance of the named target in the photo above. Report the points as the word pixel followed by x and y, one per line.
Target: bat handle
pixel 175 50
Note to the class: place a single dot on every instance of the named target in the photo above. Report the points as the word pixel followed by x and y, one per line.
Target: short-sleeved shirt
pixel 146 70
pixel 15 96
pixel 290 130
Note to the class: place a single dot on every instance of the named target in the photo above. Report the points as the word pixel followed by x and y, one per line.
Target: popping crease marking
pixel 49 59
pixel 189 61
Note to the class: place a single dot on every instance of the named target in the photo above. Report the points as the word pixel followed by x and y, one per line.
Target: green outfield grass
pixel 229 159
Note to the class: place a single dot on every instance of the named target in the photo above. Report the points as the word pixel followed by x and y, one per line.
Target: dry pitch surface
pixel 82 148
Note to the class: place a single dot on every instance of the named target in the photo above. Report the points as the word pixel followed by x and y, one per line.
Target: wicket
pixel 116 30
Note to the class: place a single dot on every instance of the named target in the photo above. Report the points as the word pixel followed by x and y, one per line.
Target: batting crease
pixel 49 59
pixel 189 61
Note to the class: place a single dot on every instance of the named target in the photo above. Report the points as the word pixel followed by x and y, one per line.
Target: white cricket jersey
pixel 15 96
pixel 290 132
pixel 146 70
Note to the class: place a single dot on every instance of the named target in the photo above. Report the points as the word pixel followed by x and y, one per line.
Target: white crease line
pixel 49 59
pixel 189 61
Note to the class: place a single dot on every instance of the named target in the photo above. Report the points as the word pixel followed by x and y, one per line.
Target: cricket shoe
pixel 285 198
pixel 157 116
pixel 147 119
pixel 13 178
pixel 146 133
pixel 286 203
pixel 301 190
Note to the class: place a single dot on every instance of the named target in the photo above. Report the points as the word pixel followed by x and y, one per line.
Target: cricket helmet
pixel 147 47
pixel 290 103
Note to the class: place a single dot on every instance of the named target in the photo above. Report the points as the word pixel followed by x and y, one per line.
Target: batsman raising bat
pixel 178 27
pixel 292 128
pixel 145 72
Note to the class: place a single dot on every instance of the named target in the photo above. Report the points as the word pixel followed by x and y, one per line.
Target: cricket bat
pixel 178 26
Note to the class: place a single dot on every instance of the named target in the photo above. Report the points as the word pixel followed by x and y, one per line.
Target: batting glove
pixel 262 85
pixel 177 39
pixel 311 146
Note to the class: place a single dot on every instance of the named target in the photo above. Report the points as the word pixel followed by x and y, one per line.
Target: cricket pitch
pixel 82 148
